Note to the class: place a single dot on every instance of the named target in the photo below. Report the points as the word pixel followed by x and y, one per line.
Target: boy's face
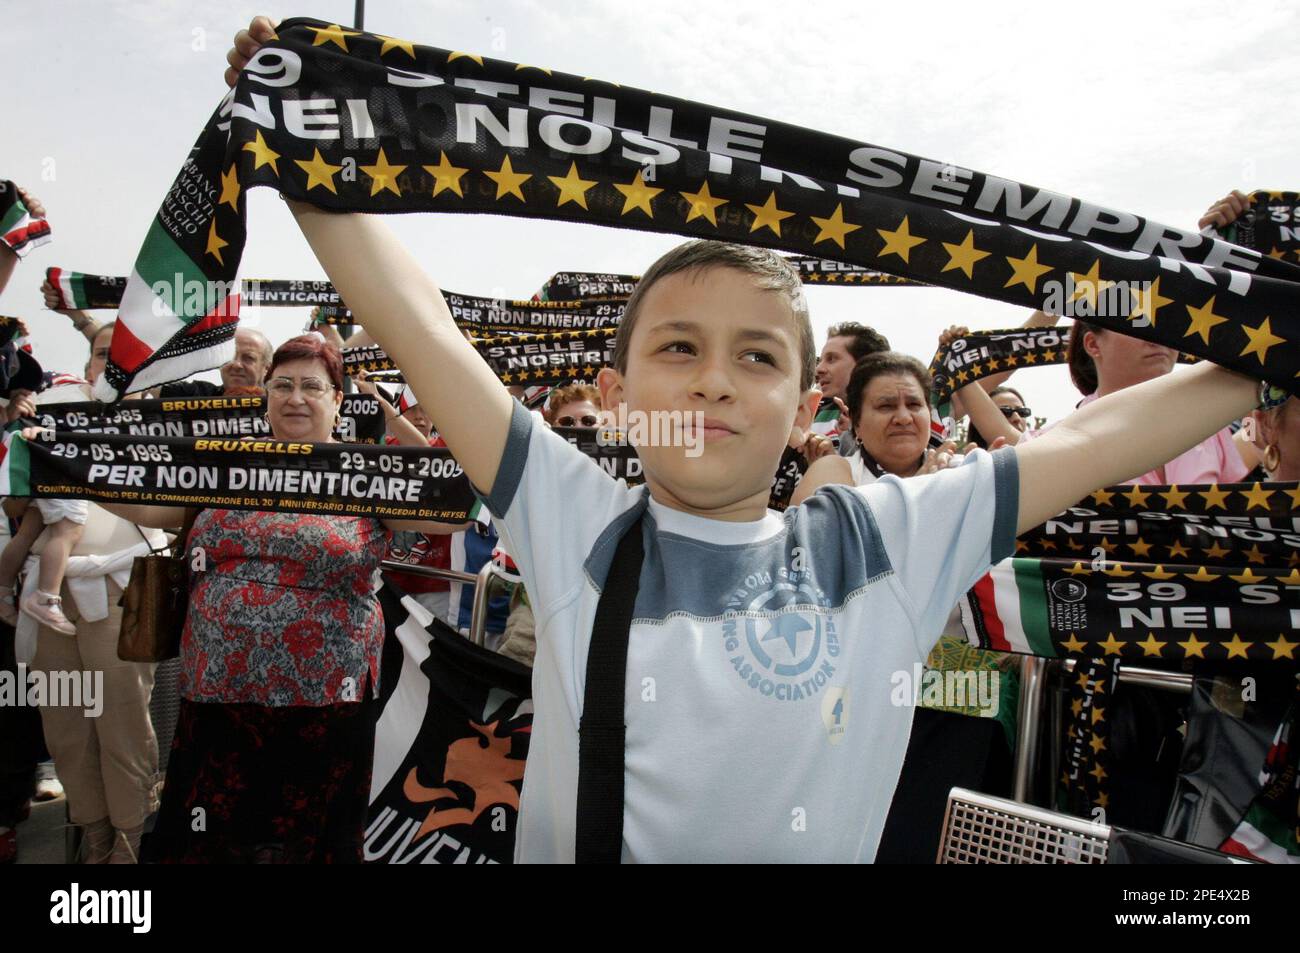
pixel 708 340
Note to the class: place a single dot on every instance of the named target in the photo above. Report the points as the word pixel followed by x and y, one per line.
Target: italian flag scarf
pixel 18 229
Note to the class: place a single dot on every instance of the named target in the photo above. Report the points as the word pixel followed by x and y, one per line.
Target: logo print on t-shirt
pixel 782 647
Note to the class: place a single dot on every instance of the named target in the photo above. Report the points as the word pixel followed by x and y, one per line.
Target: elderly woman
pixel 280 660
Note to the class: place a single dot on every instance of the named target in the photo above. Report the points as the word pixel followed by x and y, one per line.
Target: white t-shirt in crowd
pixel 760 725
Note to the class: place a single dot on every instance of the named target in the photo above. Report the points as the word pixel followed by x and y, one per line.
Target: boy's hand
pixel 247 43
pixel 1225 211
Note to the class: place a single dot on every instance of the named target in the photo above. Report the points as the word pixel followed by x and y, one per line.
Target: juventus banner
pixel 349 120
pixel 556 358
pixel 487 317
pixel 450 744
pixel 360 419
pixel 982 354
pixel 94 292
pixel 1271 226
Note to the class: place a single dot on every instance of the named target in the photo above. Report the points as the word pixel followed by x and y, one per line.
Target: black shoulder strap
pixel 601 732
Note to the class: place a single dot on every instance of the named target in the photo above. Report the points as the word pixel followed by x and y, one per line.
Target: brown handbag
pixel 155 601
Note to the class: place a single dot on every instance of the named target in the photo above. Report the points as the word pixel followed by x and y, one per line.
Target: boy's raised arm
pixel 1126 434
pixel 403 310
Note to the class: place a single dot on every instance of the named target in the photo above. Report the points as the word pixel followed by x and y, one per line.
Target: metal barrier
pixel 487 577
pixel 979 829
pixel 1033 671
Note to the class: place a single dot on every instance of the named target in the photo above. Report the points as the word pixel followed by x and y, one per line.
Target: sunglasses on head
pixel 1018 411
pixel 586 420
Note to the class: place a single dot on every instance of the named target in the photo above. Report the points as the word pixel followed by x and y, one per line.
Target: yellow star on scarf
pixel 1236 647
pixel 1282 648
pixel 527 66
pixel 262 153
pixel 1076 708
pixel 446 176
pixel 1177 550
pixel 964 256
pixel 833 229
pixel 1072 645
pixel 1136 497
pixel 1012 360
pixel 1151 647
pixel 1140 548
pixel 391 43
pixel 1202 320
pixel 1147 302
pixel 573 188
pixel 1261 339
pixel 1030 358
pixel 899 242
pixel 1201 575
pixel 1174 498
pixel 1088 286
pixel 508 180
pixel 1216 552
pixel 230 188
pixel 962 377
pixel 1295 497
pixel 332 34
pixel 1246 577
pixel 319 172
pixel 1277 253
pixel 1254 555
pixel 636 194
pixel 767 215
pixel 1118 570
pixel 1098 772
pixel 1106 546
pixel 1291 579
pixel 1256 496
pixel 1078 570
pixel 993 364
pixel 1026 271
pixel 1112 645
pixel 1097 744
pixel 215 242
pixel 1049 355
pixel 456 54
pixel 1215 497
pixel 1098 715
pixel 1102 497
pixel 833 276
pixel 383 175
pixel 1193 647
pixel 1159 573
pixel 703 204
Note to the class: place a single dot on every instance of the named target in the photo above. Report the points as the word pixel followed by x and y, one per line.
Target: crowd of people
pixel 280 655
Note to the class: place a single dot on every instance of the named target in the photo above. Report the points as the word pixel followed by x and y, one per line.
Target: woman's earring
pixel 1272 458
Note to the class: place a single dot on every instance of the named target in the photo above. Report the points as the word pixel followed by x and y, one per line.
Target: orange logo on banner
pixel 487 770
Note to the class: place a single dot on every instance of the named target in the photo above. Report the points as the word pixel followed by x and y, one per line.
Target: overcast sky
pixel 1153 108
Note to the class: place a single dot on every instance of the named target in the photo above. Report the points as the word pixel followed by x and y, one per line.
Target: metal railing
pixel 483 582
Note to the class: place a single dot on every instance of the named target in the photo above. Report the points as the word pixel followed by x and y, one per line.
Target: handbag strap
pixel 602 732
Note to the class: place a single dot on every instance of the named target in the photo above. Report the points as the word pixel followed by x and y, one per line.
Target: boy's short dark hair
pixel 772 272
pixel 863 340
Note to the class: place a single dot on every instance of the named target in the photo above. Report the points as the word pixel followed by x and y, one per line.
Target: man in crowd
pixel 846 344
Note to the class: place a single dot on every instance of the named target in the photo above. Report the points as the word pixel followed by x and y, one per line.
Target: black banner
pixel 416 123
pixel 555 358
pixel 361 420
pixel 85 292
pixel 488 317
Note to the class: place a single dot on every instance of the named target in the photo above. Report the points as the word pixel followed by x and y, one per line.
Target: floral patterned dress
pixel 280 662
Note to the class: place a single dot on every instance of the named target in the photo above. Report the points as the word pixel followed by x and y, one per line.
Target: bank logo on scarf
pixel 634 159
pixel 18 229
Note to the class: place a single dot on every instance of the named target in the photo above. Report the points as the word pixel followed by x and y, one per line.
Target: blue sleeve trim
pixel 510 470
pixel 1006 503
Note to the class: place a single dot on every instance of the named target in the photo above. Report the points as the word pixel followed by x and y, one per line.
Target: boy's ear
pixel 803 417
pixel 610 383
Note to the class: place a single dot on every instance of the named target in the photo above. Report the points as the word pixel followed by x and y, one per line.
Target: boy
pixel 758 685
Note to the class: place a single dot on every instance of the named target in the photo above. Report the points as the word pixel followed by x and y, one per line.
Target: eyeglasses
pixel 311 387
pixel 586 420
pixel 1009 412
